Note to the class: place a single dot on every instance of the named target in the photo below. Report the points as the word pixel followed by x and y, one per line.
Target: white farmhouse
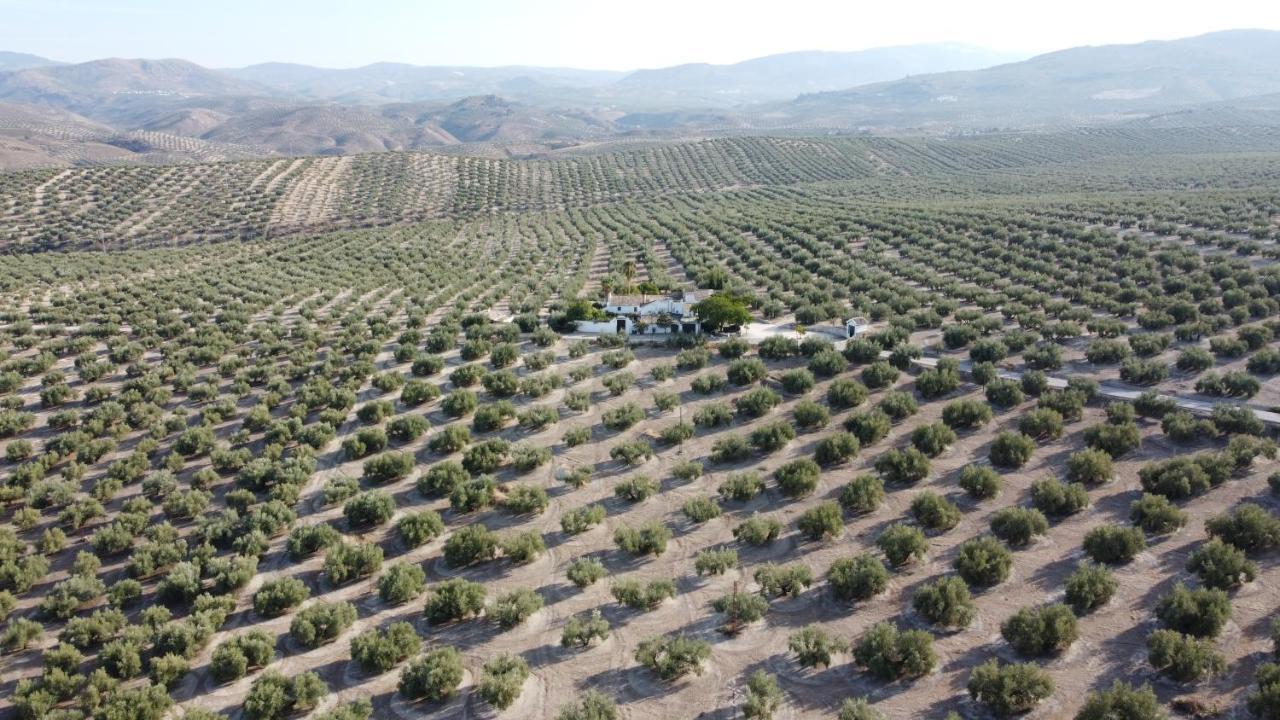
pixel 649 314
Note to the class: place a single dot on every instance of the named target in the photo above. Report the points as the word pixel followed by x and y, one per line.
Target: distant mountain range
pixel 1221 78
pixel 1071 87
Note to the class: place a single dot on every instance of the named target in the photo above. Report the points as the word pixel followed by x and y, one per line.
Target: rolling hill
pixel 1083 85
pixel 784 76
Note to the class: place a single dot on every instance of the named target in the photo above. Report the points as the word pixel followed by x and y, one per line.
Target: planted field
pixel 97 207
pixel 375 471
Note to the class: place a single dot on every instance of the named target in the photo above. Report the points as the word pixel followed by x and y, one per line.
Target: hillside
pixel 397 82
pixel 380 472
pixel 1211 80
pixel 94 88
pixel 1076 86
pixel 783 76
pixel 10 61
pixel 34 136
pixel 248 199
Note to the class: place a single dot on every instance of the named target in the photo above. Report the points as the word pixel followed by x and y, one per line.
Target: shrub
pixel 1011 450
pixel 1090 587
pixel 798 478
pixel 740 609
pixel 585 571
pixel 580 631
pixel 387 467
pixel 898 405
pixel 797 382
pixel 1114 544
pixel 1265 703
pixel 582 519
pixel 945 603
pixel 863 494
pixel 373 507
pixel 1122 701
pixel 1176 478
pixel 454 599
pixel 1041 424
pixel 1044 630
pixel 772 437
pixel 890 654
pixel 757 402
pixel 905 467
pixel 879 374
pixel 622 417
pixel 708 383
pixel 1009 689
pixel 234 657
pixel 980 482
pixel 433 677
pixel 1004 393
pixel 857 578
pixel 730 449
pixel 645 596
pixel 1183 427
pixel 674 434
pixel 636 488
pixel 1182 657
pixel 631 453
pixel 715 562
pixel 1056 499
pixel 522 547
pixel 934 512
pixel 983 561
pixel 713 415
pixel 322 623
pixel 673 656
pixel 933 438
pixel 401 583
pixel 1143 372
pixel 757 530
pixel 1223 566
pixel 1249 527
pixel 407 428
pixel 813 646
pixel 470 545
pixel 1018 526
pixel 1090 467
pixel 741 486
pixel 473 494
pixel 822 521
pixel 1113 439
pixel 378 650
pixel 836 449
pixel 966 414
pixel 1156 515
pixel 278 596
pixel 869 426
pixel 860 709
pixel 810 415
pixel 273 696
pixel 745 371
pixel 451 439
pixel 1034 382
pixel 648 539
pixel 1201 612
pixel 514 607
pixel 764 697
pixel 844 393
pixel 902 544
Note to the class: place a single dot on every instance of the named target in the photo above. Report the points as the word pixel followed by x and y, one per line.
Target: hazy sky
pixel 600 34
